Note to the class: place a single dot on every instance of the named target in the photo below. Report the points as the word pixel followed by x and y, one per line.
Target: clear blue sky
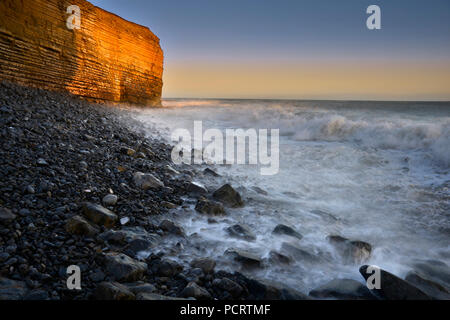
pixel 273 32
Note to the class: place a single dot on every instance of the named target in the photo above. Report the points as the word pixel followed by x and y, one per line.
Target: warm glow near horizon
pixel 316 80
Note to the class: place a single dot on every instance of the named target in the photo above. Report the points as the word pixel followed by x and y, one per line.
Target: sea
pixel 377 172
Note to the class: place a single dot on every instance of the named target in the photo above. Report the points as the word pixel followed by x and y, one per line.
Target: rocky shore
pixel 78 184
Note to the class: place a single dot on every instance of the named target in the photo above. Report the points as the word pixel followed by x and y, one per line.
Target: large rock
pixel 433 289
pixel 171 227
pixel 209 207
pixel 282 229
pixel 228 196
pixel 122 63
pixel 6 216
pixel 79 226
pixel 434 270
pixel 206 264
pixel 147 181
pixel 99 215
pixel 344 289
pixel 233 288
pixel 246 258
pixel 394 288
pixel 196 188
pixel 123 268
pixel 279 258
pixel 11 289
pixel 241 232
pixel 298 253
pixel 113 291
pixel 195 291
pixel 167 268
pixel 355 252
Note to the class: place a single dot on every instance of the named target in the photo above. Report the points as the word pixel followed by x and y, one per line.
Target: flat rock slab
pixel 79 226
pixel 147 181
pixel 123 268
pixel 99 215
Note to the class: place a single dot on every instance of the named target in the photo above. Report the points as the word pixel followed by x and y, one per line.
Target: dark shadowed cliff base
pixel 79 184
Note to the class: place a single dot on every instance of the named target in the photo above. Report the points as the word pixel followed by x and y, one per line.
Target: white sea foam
pixel 377 172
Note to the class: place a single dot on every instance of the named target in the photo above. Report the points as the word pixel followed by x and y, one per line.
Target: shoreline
pixel 83 184
pixel 69 183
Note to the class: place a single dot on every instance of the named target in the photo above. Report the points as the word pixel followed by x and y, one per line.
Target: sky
pixel 298 49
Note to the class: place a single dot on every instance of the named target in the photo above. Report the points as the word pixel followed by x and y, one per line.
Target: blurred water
pixel 372 171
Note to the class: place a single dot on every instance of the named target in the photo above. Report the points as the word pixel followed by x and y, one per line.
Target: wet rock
pixel 136 246
pixel 110 200
pixel 299 253
pixel 195 291
pixel 279 258
pixel 352 251
pixel 260 191
pixel 12 290
pixel 6 216
pixel 113 291
pixel 246 258
pixel 241 232
pixel 344 289
pixel 127 235
pixel 267 290
pixel 137 288
pixel 282 229
pixel 211 172
pixel 230 286
pixel 168 268
pixel 433 289
pixel 172 227
pixel 123 268
pixel 210 207
pixel 99 215
pixel 394 288
pixel 207 265
pixel 196 188
pixel 228 196
pixel 147 181
pixel 79 226
pixel 434 270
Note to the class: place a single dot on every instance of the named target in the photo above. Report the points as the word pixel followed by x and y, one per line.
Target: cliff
pixel 107 59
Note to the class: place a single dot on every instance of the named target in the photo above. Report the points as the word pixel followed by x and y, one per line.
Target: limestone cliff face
pixel 108 59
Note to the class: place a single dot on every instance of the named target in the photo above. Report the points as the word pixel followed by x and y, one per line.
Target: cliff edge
pixel 106 59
